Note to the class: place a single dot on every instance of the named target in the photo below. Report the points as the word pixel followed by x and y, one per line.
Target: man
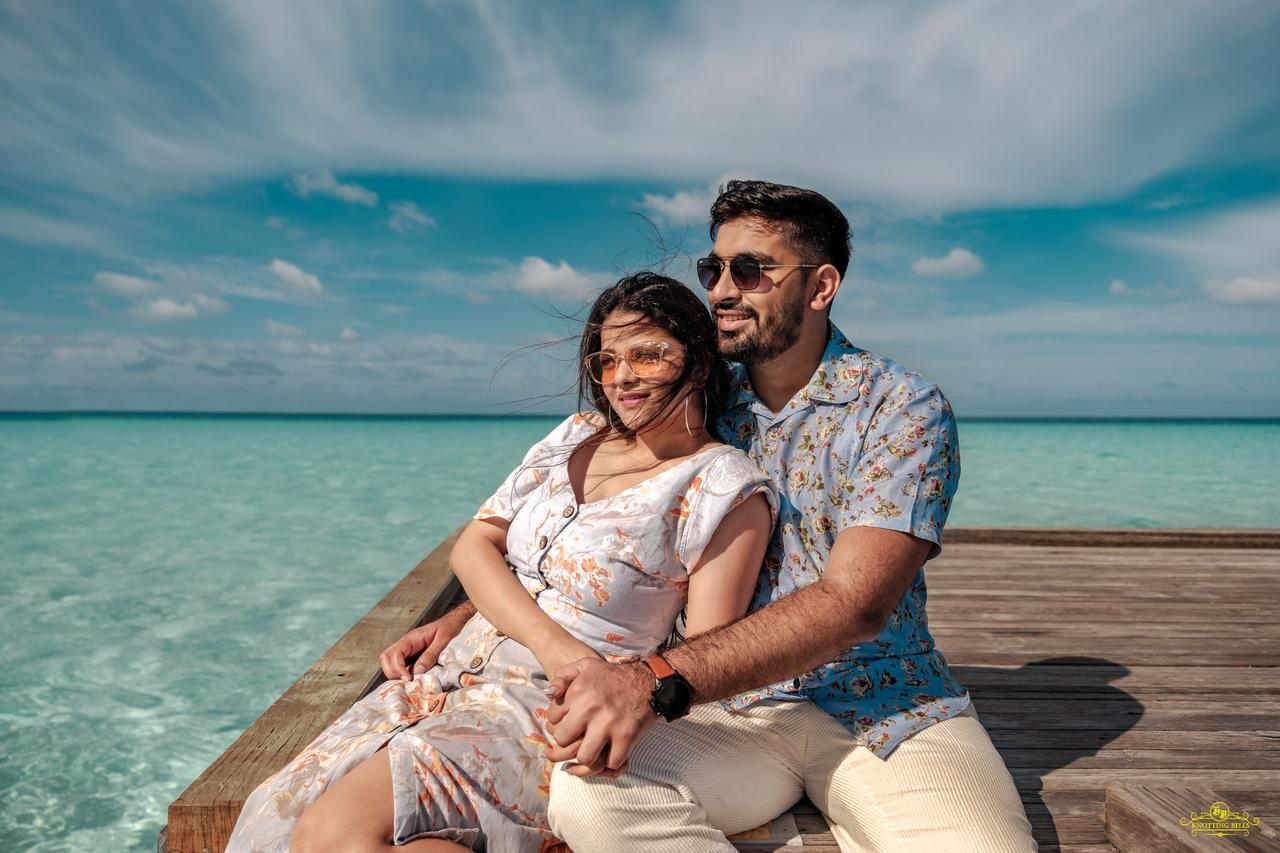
pixel 832 686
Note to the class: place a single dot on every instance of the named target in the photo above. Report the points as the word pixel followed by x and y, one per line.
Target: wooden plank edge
pixel 1116 537
pixel 186 831
pixel 1149 819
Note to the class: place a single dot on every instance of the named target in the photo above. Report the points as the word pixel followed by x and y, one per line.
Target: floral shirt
pixel 865 443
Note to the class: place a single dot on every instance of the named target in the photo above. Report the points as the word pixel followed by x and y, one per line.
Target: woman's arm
pixel 478 559
pixel 722 582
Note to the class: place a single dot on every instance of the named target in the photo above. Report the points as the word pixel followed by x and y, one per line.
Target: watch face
pixel 672 697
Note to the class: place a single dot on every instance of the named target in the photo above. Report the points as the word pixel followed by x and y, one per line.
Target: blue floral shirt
pixel 865 443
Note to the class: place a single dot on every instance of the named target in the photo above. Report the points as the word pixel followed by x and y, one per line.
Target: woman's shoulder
pixel 728 463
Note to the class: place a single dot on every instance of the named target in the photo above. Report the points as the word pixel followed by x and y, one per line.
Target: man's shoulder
pixel 880 376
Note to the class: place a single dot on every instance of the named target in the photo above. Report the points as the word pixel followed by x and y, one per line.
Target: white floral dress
pixel 465 738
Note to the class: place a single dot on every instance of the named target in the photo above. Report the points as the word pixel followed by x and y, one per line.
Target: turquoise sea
pixel 164 577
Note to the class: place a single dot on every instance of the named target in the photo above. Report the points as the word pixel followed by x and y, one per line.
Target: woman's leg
pixel 356 814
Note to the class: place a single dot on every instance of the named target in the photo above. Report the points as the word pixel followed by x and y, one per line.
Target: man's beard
pixel 765 340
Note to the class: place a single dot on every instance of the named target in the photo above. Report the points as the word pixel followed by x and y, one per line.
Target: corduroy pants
pixel 690 783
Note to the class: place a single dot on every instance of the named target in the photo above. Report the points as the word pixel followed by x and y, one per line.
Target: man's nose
pixel 723 289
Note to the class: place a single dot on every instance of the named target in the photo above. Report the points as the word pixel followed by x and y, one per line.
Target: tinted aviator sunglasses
pixel 744 269
pixel 645 360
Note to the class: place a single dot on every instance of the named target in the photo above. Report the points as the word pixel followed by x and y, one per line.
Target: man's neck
pixel 777 380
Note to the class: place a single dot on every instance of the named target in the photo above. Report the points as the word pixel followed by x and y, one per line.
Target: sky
pixel 1059 209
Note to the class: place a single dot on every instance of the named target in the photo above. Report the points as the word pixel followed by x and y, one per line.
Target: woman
pixel 615 522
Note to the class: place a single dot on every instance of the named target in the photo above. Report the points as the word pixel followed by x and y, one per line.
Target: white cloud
pixel 281 330
pixel 405 215
pixel 295 277
pixel 1243 290
pixel 127 285
pixel 533 276
pixel 324 183
pixel 538 277
pixel 1117 287
pixel 958 263
pixel 1225 243
pixel 1236 251
pixel 211 304
pixel 164 308
pixel 859 96
pixel 681 206
pixel 349 334
pixel 281 224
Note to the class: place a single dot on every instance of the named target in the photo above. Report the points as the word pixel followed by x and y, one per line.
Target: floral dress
pixel 465 738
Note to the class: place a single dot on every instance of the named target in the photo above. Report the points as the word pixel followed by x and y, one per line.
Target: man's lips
pixel 731 321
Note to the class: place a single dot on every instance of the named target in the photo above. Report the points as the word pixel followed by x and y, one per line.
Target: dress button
pixel 542 542
pixel 568 511
pixel 476 661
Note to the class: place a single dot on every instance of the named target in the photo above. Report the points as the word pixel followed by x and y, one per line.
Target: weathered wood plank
pixel 1148 819
pixel 1115 676
pixel 1225 538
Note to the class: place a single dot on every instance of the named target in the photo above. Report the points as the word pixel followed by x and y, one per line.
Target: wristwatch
pixel 671 695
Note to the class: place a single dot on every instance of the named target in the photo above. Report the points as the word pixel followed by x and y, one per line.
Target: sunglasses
pixel 744 269
pixel 645 360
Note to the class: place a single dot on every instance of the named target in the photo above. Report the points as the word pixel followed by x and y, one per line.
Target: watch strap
pixel 661 669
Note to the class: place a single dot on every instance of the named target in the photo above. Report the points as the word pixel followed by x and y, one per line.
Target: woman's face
pixel 637 364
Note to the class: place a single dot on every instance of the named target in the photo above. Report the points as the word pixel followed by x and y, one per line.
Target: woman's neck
pixel 669 438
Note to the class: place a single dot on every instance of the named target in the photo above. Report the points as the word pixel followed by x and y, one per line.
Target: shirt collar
pixel 837 380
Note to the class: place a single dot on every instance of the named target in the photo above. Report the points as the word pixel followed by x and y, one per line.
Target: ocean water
pixel 164 578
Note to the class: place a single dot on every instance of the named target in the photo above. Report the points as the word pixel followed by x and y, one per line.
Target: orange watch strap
pixel 660 667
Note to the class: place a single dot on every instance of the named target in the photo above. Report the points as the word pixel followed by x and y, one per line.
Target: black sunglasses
pixel 744 269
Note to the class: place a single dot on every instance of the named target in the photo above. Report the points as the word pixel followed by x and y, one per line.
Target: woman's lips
pixel 632 401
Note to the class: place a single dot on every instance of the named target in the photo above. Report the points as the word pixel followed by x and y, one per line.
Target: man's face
pixel 758 325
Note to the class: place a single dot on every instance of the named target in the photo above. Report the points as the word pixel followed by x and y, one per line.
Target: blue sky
pixel 1059 209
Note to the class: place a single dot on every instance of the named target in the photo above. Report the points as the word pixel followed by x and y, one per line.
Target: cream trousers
pixel 711 774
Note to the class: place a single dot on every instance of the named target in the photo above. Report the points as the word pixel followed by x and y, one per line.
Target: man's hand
pixel 598 712
pixel 425 642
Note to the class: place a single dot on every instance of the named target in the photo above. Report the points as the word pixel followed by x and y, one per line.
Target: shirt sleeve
pixel 909 467
pixel 719 488
pixel 532 470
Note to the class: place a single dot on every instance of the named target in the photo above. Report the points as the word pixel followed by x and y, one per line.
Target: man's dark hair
pixel 812 224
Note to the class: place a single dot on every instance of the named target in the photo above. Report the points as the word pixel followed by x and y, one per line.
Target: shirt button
pixel 568 511
pixel 542 542
pixel 476 661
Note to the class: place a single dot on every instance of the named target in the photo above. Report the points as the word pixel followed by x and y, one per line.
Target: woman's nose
pixel 623 374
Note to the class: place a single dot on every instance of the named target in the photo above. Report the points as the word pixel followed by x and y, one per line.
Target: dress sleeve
pixel 533 469
pixel 722 485
pixel 909 467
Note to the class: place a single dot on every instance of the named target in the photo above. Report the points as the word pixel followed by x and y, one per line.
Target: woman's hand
pixel 563 652
pixel 425 642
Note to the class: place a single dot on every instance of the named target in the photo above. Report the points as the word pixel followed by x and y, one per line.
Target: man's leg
pixel 943 788
pixel 688 784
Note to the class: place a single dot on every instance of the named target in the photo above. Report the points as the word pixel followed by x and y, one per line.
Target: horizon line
pixel 389 415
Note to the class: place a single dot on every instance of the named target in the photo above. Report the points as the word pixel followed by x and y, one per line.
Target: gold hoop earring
pixel 686 416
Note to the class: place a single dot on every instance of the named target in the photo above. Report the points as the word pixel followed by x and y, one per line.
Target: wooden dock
pixel 1122 674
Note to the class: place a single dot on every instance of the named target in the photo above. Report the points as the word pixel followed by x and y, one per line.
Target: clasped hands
pixel 598 711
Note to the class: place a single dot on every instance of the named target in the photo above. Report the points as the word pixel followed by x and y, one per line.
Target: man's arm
pixel 868 571
pixel 425 641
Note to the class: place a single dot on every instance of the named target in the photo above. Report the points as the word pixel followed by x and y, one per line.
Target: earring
pixel 686 416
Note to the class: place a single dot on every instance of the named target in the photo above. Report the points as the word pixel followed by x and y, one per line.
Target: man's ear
pixel 826 282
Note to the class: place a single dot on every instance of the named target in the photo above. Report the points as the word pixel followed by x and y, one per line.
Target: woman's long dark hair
pixel 664 303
